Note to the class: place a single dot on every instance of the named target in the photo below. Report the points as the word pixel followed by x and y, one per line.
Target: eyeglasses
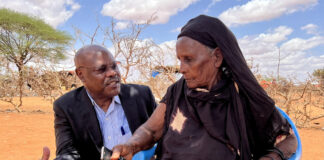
pixel 103 68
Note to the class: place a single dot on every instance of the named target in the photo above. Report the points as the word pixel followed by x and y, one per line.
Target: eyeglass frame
pixel 97 69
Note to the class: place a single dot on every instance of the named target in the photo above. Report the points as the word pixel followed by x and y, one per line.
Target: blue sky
pixel 262 27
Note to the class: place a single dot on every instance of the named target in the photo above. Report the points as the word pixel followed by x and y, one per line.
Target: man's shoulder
pixel 69 97
pixel 135 86
pixel 135 90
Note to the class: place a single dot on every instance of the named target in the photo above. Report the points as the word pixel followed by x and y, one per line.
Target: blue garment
pixel 113 123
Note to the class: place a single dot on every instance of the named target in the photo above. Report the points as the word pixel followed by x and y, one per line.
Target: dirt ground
pixel 23 135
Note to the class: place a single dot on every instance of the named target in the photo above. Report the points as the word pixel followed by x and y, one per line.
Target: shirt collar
pixel 115 99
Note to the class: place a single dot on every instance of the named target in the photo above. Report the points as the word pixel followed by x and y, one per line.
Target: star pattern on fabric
pixel 178 121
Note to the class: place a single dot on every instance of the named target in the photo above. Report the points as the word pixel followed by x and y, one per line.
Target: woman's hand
pixel 124 150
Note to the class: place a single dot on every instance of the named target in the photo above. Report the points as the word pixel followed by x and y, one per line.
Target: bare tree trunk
pixel 20 86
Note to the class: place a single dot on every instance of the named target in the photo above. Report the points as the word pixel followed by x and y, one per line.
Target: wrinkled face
pixel 100 74
pixel 198 64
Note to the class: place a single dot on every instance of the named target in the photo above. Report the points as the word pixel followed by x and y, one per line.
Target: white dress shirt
pixel 113 123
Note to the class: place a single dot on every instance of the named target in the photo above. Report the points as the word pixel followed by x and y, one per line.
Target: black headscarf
pixel 263 123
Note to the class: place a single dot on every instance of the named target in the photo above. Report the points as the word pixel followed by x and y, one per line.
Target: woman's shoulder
pixel 177 85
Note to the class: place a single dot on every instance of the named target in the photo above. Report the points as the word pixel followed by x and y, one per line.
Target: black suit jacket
pixel 77 129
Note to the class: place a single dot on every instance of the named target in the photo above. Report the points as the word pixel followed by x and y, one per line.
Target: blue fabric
pixel 113 123
pixel 298 152
pixel 145 155
pixel 155 73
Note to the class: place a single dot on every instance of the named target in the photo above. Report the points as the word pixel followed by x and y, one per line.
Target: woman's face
pixel 198 64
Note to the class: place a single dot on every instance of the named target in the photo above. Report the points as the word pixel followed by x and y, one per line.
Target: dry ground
pixel 22 135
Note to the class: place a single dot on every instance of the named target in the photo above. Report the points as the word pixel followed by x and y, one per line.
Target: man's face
pixel 100 74
pixel 198 64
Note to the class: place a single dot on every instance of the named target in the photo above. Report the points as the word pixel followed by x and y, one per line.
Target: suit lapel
pixel 129 106
pixel 90 120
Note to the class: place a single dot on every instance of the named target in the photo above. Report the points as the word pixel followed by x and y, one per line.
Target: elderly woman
pixel 217 110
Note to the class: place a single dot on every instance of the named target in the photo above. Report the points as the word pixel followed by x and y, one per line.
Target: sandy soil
pixel 23 135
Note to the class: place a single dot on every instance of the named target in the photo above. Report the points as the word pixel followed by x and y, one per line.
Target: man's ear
pixel 79 73
pixel 219 57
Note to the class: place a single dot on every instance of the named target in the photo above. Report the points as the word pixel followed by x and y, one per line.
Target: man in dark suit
pixel 103 112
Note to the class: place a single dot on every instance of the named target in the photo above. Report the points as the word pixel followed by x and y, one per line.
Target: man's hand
pixel 123 150
pixel 46 153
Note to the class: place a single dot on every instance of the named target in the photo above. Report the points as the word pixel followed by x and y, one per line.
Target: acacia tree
pixel 319 74
pixel 24 38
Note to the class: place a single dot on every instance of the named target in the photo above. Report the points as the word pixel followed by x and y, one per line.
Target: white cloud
pixel 168 55
pixel 121 25
pixel 210 5
pixel 298 44
pixel 295 59
pixel 139 11
pixel 264 42
pixel 53 12
pixel 310 28
pixel 177 30
pixel 262 10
